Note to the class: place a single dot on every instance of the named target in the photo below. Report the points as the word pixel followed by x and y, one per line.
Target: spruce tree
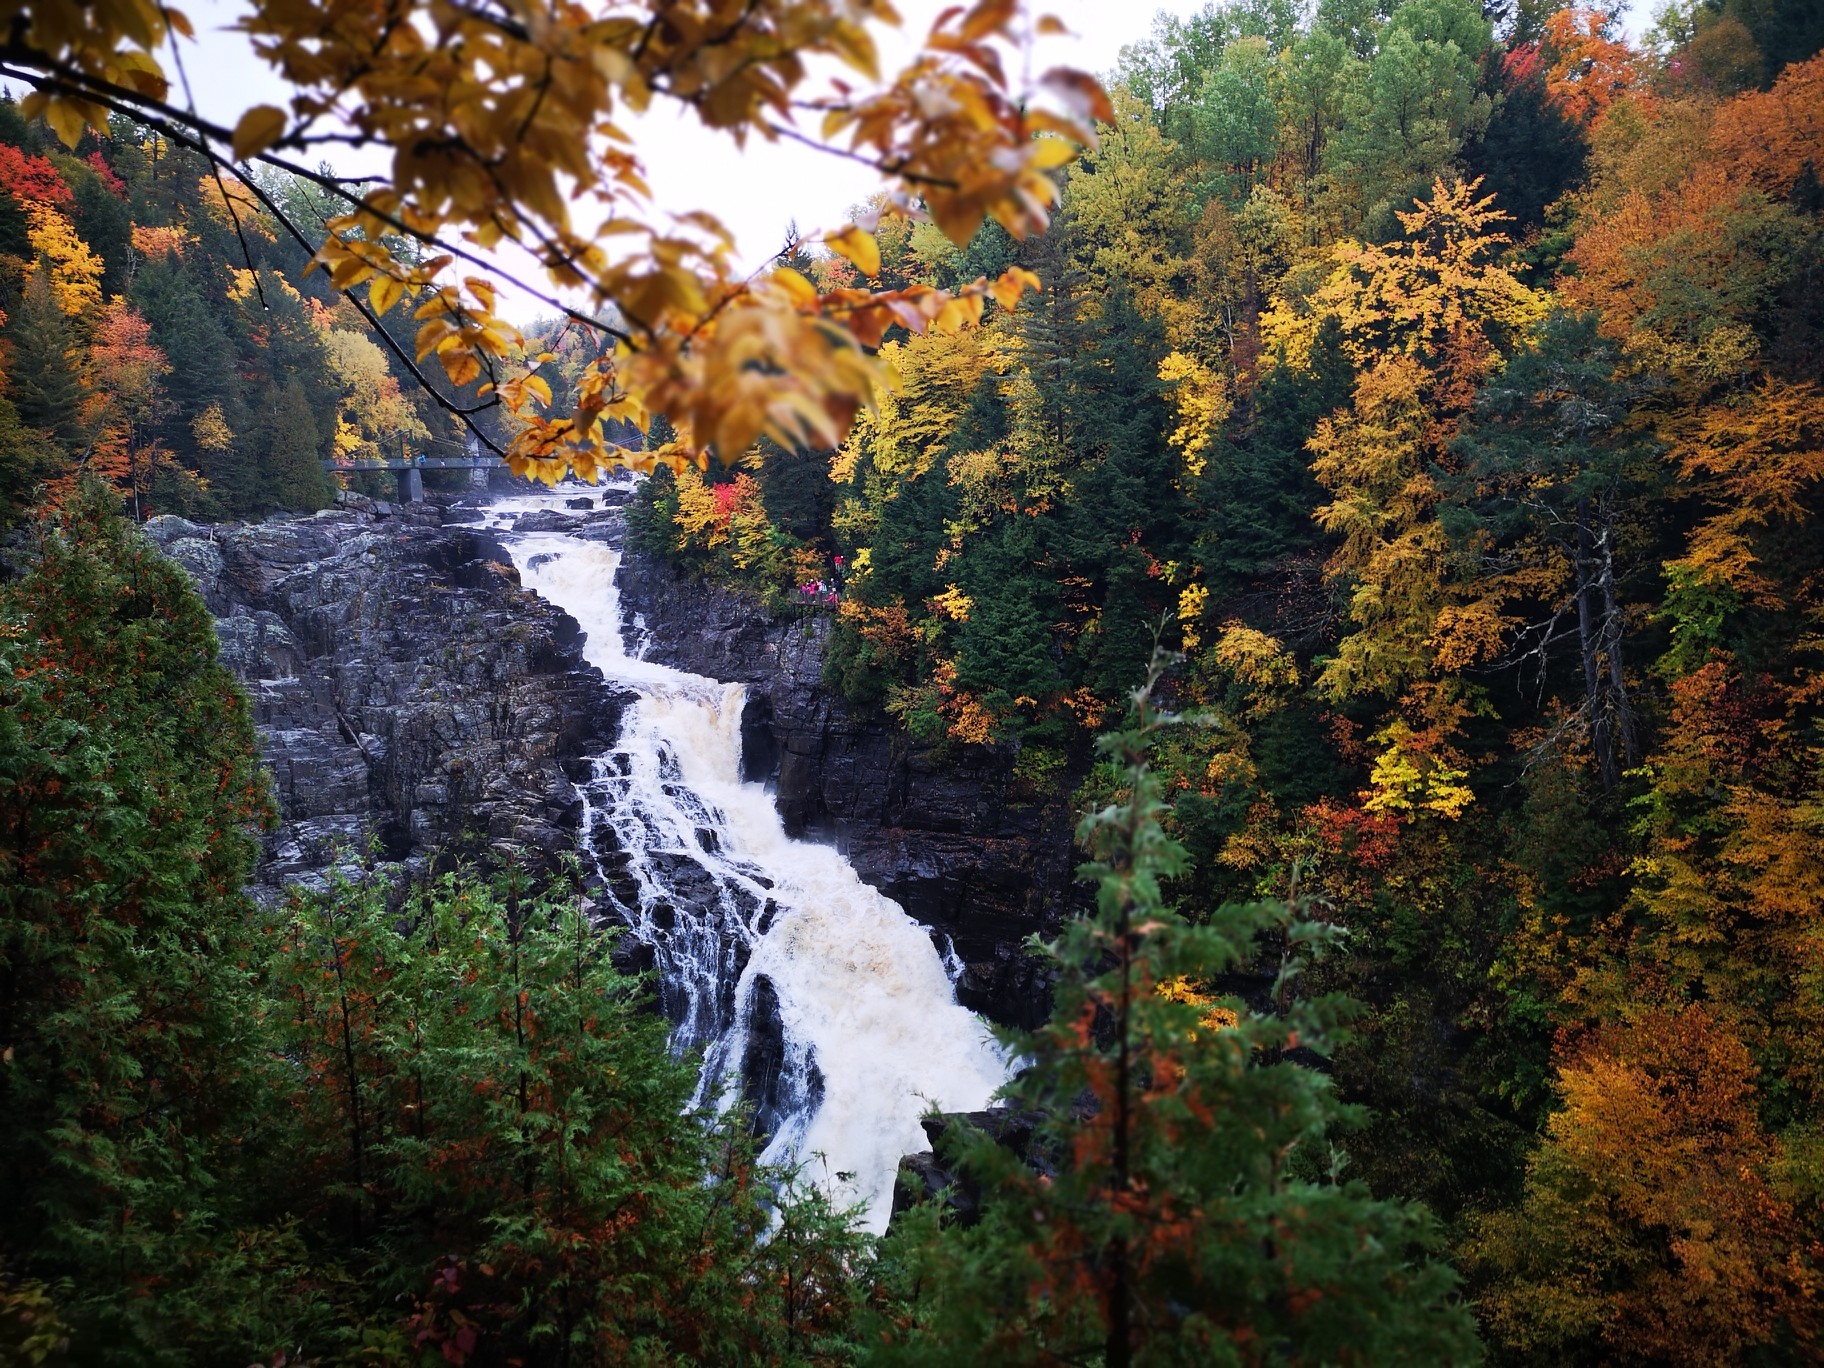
pixel 1182 1199
pixel 41 381
pixel 291 472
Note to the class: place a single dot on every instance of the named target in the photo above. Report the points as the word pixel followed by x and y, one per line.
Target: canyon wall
pixel 404 684
pixel 409 690
pixel 951 835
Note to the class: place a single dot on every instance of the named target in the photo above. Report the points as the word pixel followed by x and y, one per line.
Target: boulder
pixel 925 1176
pixel 544 520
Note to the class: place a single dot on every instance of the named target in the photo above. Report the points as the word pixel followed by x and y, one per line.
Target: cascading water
pixel 808 992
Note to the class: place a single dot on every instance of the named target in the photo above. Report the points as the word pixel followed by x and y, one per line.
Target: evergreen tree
pixel 106 226
pixel 41 377
pixel 796 489
pixel 168 293
pixel 1004 648
pixel 482 1110
pixel 1181 1200
pixel 1127 514
pixel 27 458
pixel 129 782
pixel 15 234
pixel 1551 466
pixel 1257 495
pixel 15 128
pixel 1530 153
pixel 290 465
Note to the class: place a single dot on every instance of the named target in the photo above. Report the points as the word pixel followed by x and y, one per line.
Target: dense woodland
pixel 162 331
pixel 1447 394
pixel 1421 406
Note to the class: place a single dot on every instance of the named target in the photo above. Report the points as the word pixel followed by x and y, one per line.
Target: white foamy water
pixel 746 924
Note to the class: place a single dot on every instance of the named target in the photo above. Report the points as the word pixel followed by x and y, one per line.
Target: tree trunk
pixel 1591 631
pixel 1614 628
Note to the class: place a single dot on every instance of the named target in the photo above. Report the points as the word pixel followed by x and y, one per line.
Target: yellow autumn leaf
pixel 1011 284
pixel 66 117
pixel 258 129
pixel 859 247
pixel 461 366
pixel 800 290
pixel 431 336
pixel 383 293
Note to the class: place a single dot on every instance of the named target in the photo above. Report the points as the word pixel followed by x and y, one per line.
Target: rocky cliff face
pixel 406 687
pixel 956 840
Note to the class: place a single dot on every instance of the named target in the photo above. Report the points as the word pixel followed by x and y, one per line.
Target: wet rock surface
pixel 406 687
pixel 930 1177
pixel 954 838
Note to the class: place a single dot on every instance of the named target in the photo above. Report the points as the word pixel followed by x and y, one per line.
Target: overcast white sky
pixel 756 192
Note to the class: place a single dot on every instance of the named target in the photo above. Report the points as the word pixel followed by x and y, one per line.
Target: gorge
pixel 475 691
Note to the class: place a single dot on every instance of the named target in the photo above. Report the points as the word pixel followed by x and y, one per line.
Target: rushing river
pixel 758 938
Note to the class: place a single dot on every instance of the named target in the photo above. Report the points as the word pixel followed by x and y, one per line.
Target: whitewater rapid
pixel 746 923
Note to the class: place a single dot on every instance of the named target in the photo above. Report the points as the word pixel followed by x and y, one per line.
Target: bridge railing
pixel 415 463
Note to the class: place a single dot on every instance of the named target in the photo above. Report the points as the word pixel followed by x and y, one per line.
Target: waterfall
pixel 809 993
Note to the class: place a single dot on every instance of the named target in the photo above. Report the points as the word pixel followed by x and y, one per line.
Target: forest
pixel 1445 394
pixel 165 334
pixel 1393 522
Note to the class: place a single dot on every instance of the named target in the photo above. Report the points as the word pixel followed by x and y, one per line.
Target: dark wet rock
pixel 772 1092
pixel 407 689
pixel 584 502
pixel 544 520
pixel 352 502
pixel 609 527
pixel 928 1176
pixel 953 836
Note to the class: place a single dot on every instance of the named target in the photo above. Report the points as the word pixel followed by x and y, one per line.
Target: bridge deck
pixel 418 463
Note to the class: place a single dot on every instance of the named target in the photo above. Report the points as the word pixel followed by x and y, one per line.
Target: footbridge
pixel 409 469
